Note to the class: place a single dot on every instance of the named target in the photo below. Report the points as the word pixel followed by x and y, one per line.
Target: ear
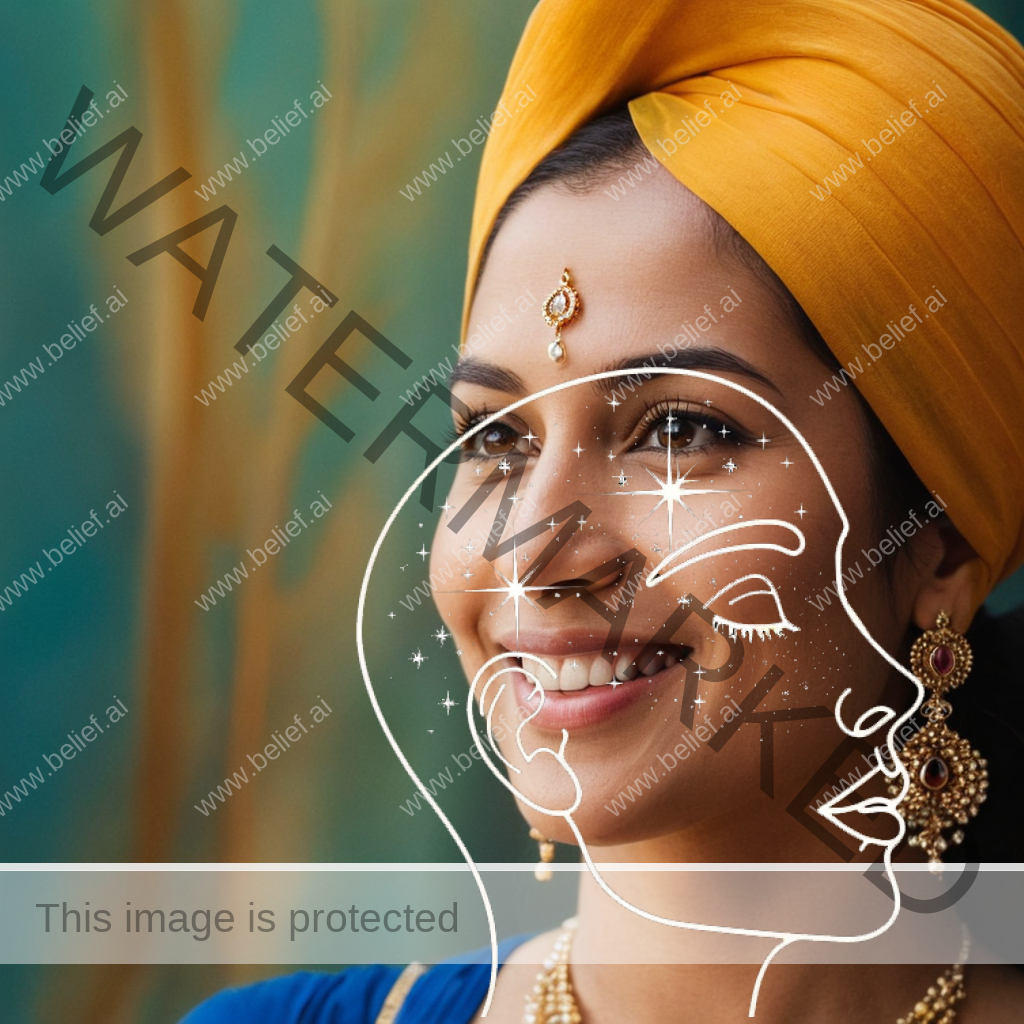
pixel 948 573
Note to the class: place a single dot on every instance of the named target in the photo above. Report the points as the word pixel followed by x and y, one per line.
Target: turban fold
pixel 872 152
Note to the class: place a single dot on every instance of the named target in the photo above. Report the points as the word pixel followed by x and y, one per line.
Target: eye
pixel 678 430
pixel 492 442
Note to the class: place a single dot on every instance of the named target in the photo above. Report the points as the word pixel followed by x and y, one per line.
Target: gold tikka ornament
pixel 561 307
pixel 948 777
pixel 547 854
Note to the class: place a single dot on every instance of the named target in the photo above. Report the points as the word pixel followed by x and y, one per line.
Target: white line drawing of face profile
pixel 868 723
pixel 662 572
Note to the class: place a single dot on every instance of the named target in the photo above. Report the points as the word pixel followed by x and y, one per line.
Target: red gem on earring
pixel 935 773
pixel 942 660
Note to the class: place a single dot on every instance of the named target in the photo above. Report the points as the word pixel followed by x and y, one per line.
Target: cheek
pixel 460 611
pixel 760 574
pixel 448 561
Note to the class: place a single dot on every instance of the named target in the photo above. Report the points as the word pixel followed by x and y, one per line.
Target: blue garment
pixel 450 993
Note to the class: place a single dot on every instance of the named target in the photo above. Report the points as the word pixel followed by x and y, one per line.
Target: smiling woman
pixel 603 613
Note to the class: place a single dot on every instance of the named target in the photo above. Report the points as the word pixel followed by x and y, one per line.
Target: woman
pixel 848 176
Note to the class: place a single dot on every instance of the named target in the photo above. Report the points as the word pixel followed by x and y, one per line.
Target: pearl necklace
pixel 551 1001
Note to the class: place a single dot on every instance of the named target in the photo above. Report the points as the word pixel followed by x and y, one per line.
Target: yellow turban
pixel 872 152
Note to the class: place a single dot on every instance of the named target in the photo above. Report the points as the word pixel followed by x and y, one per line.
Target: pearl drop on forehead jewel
pixel 561 307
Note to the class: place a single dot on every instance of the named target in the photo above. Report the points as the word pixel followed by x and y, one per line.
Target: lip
pixel 593 706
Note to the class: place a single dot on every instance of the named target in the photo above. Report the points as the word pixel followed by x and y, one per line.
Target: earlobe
pixel 950 579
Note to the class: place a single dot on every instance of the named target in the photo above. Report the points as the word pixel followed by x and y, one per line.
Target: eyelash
pixel 657 414
pixel 654 417
pixel 464 425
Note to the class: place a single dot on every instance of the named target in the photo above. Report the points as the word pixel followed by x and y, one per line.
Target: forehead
pixel 645 264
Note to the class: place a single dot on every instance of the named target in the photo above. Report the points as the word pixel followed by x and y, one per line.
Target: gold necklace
pixel 551 1001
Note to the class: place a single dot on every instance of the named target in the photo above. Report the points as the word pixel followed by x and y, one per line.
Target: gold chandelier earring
pixel 547 854
pixel 948 777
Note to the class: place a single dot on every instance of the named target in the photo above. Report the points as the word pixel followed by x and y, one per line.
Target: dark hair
pixel 611 144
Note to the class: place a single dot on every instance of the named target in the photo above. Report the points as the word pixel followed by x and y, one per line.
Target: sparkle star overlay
pixel 514 590
pixel 671 490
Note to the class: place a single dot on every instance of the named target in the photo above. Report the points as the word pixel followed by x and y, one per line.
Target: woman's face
pixel 644 266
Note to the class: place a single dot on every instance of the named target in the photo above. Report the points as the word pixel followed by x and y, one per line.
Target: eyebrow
pixel 475 371
pixel 487 375
pixel 708 359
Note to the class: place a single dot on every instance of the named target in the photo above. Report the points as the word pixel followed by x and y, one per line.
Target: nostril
pixel 600 575
pixel 574 587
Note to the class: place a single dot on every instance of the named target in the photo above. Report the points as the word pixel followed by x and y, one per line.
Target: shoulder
pixel 353 996
pixel 450 992
pixel 518 976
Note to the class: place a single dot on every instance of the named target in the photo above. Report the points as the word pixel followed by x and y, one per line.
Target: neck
pixel 720 993
pixel 626 967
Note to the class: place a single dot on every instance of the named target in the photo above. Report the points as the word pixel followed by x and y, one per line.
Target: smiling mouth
pixel 584 673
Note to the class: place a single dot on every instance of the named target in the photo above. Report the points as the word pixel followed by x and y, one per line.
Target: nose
pixel 564 543
pixel 610 571
pixel 562 550
pixel 547 529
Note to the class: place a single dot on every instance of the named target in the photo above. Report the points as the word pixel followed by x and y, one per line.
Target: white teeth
pixel 547 681
pixel 600 672
pixel 575 674
pixel 625 670
pixel 578 672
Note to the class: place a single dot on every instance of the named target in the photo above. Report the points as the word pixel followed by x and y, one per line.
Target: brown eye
pixel 677 433
pixel 494 441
